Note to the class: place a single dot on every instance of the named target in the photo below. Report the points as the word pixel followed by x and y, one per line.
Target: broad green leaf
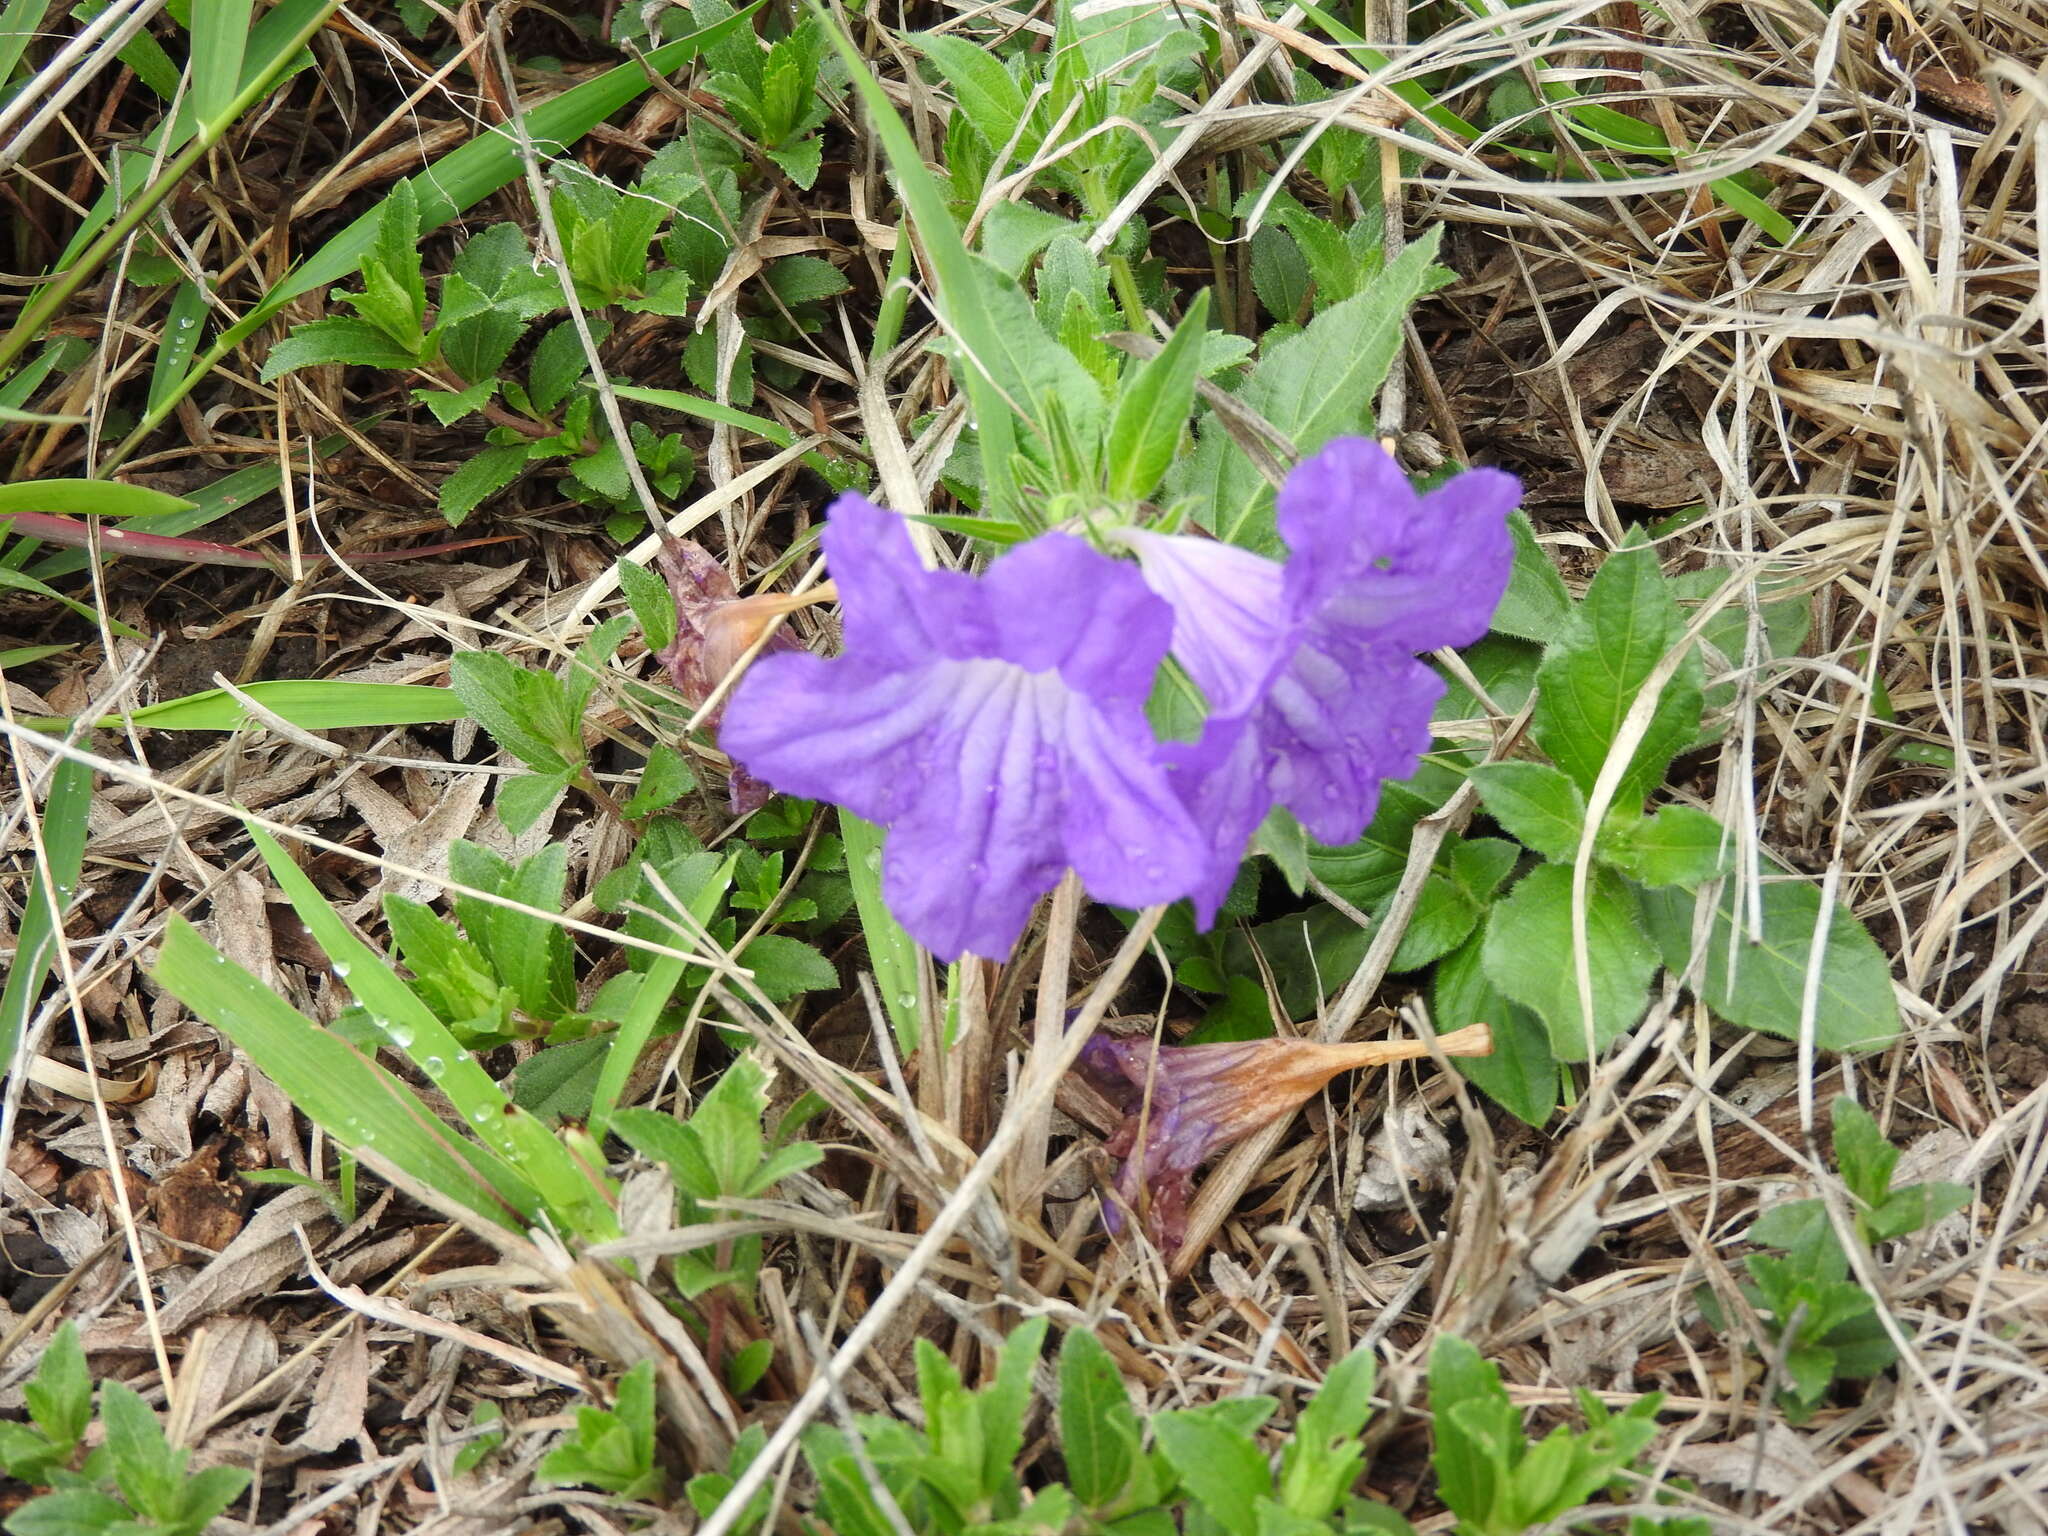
pixel 1760 984
pixel 1594 669
pixel 1535 803
pixel 1865 1158
pixel 1521 1074
pixel 59 1399
pixel 522 801
pixel 1679 845
pixel 1314 386
pixel 783 966
pixel 1528 955
pixel 986 91
pixel 505 699
pixel 1225 1472
pixel 1536 604
pixel 1322 1456
pixel 480 477
pixel 1152 409
pixel 337 339
pixel 1475 1423
pixel 1098 1431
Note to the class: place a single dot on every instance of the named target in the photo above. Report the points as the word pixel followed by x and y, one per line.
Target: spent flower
pixel 1182 1104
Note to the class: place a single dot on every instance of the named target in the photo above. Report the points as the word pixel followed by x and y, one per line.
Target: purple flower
pixel 1310 667
pixel 1182 1104
pixel 996 727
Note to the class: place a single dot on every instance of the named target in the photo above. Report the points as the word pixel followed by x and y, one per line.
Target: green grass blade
pixel 959 282
pixel 180 340
pixel 411 1026
pixel 19 23
pixel 656 988
pixel 340 1089
pixel 220 37
pixel 310 703
pixel 88 498
pixel 891 951
pixel 64 842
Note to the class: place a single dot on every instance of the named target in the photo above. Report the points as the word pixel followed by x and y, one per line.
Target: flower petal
pixel 1230 616
pixel 1057 603
pixel 894 611
pixel 1338 723
pixel 1418 572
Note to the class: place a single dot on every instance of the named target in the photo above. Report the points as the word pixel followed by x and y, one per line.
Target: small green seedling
pixel 134 1484
pixel 612 1448
pixel 1822 1325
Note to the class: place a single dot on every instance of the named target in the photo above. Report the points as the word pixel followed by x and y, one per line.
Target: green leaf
pixel 450 407
pixel 312 704
pixel 783 967
pixel 220 37
pixel 1521 1074
pixel 1594 669
pixel 1099 1433
pixel 665 780
pixel 1279 274
pixel 648 595
pixel 1528 955
pixel 1915 1207
pixel 1475 1424
pixel 505 699
pixel 336 338
pixel 522 801
pixel 64 833
pixel 805 279
pixel 892 953
pixel 558 1081
pixel 1761 984
pixel 744 1371
pixel 1865 1158
pixel 73 1512
pixel 558 364
pixel 1322 1456
pixel 480 477
pixel 1013 233
pixel 1152 409
pixel 1316 385
pixel 149 1473
pixel 1677 846
pixel 1535 803
pixel 59 1399
pixel 1536 604
pixel 88 498
pixel 986 91
pixel 1225 1472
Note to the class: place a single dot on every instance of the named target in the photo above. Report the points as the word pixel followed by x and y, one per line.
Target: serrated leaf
pixel 450 407
pixel 500 695
pixel 1536 603
pixel 1316 385
pixel 783 966
pixel 1535 803
pixel 558 363
pixel 665 780
pixel 805 279
pixel 337 339
pixel 1280 275
pixel 1528 955
pixel 522 801
pixel 1098 1431
pixel 801 161
pixel 1013 233
pixel 1225 1472
pixel 986 91
pixel 480 477
pixel 1760 985
pixel 1598 664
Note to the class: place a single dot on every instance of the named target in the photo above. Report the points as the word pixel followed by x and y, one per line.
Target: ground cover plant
pixel 1106 767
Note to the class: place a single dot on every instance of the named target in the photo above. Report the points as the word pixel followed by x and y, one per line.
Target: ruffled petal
pixel 1337 724
pixel 1230 615
pixel 1126 831
pixel 1416 572
pixel 1225 780
pixel 896 612
pixel 1057 604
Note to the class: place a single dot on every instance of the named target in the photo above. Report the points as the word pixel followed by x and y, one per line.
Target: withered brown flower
pixel 1189 1102
pixel 715 627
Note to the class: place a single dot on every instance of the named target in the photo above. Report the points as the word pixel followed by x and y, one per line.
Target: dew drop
pixel 462 1055
pixel 341 969
pixel 434 1066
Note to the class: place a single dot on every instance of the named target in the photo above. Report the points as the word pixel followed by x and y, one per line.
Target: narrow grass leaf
pixel 891 951
pixel 88 498
pixel 220 36
pixel 64 822
pixel 340 1089
pixel 312 704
